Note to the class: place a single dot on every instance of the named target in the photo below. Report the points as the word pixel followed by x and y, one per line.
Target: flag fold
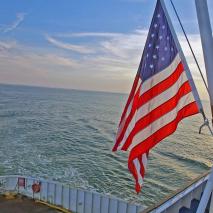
pixel 160 98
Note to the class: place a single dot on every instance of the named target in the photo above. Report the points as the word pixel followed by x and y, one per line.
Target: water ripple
pixel 68 135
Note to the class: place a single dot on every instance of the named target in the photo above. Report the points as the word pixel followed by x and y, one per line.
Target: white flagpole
pixel 207 43
pixel 206 194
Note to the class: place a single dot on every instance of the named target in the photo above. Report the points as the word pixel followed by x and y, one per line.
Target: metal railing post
pixel 211 205
pixel 206 194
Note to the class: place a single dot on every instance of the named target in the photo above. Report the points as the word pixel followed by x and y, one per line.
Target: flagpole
pixel 207 43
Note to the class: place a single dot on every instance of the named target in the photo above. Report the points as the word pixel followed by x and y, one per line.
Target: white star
pixel 147 55
pixel 150 45
pixel 163 27
pixel 154 56
pixel 151 66
pixel 152 35
pixel 157 47
pixel 165 48
pixel 167 37
pixel 158 15
pixel 160 37
pixel 155 25
pixel 163 59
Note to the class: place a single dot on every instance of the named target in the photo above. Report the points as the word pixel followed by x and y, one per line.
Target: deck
pixel 62 196
pixel 22 204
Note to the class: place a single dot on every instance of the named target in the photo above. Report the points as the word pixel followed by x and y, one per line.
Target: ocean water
pixel 67 135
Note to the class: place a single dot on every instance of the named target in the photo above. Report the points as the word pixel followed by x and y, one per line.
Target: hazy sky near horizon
pixel 89 45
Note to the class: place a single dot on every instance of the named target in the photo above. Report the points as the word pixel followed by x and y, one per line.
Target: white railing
pixel 211 205
pixel 206 196
pixel 81 201
pixel 182 198
pixel 75 200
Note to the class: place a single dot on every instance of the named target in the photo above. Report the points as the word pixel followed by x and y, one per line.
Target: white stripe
pixel 144 160
pixel 160 76
pixel 137 166
pixel 149 83
pixel 130 105
pixel 162 121
pixel 129 108
pixel 139 84
pixel 161 98
pixel 154 103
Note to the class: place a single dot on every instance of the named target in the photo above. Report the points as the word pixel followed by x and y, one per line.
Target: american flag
pixel 160 98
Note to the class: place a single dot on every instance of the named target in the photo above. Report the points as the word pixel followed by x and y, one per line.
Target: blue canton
pixel 160 49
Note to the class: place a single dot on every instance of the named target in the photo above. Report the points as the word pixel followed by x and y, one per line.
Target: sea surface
pixel 67 135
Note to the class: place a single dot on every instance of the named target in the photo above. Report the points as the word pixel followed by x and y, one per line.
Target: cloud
pixel 197 47
pixel 7 45
pixel 19 19
pixel 88 34
pixel 67 46
pixel 47 60
pixel 110 65
pixel 125 46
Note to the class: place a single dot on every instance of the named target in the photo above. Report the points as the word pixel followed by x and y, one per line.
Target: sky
pixel 87 45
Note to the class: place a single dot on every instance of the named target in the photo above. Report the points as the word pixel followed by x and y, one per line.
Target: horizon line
pixel 60 88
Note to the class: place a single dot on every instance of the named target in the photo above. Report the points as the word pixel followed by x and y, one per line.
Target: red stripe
pixel 162 133
pixel 132 169
pixel 120 130
pixel 135 84
pixel 154 91
pixel 162 86
pixel 142 167
pixel 157 113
